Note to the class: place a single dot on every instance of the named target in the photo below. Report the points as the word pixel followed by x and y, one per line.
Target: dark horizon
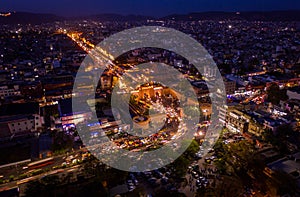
pixel 155 8
pixel 153 16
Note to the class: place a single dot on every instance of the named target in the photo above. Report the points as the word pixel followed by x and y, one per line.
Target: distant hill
pixel 26 18
pixel 291 15
pixel 118 17
pixel 33 18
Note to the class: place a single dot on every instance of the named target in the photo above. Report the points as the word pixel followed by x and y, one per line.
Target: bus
pixel 41 163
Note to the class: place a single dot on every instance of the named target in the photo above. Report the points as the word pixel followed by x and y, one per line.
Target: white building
pixel 18 125
pixel 293 94
pixel 6 91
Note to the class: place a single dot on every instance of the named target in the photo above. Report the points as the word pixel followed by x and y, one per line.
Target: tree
pixel 47 186
pixel 228 187
pixel 192 149
pixel 62 142
pixel 269 137
pixel 285 183
pixel 280 138
pixel 275 95
pixel 181 165
pixel 94 188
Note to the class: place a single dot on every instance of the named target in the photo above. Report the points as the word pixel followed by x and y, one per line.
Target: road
pixel 18 170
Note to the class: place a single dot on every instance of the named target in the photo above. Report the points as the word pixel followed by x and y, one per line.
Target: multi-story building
pixel 223 114
pixel 236 121
pixel 9 90
pixel 19 125
pixel 230 86
pixel 69 118
pixel 294 93
pixel 255 127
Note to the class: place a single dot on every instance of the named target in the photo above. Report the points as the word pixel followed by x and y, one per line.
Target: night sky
pixel 143 7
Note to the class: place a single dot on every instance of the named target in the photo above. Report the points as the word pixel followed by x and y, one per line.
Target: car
pixel 198 183
pixel 164 180
pixel 131 188
pixel 195 174
pixel 213 158
pixel 196 167
pixel 163 169
pixel 152 180
pixel 130 182
pixel 202 179
pixel 136 182
pixel 158 174
pixel 198 156
pixel 131 175
pixel 168 174
pixel 208 161
pixel 147 174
